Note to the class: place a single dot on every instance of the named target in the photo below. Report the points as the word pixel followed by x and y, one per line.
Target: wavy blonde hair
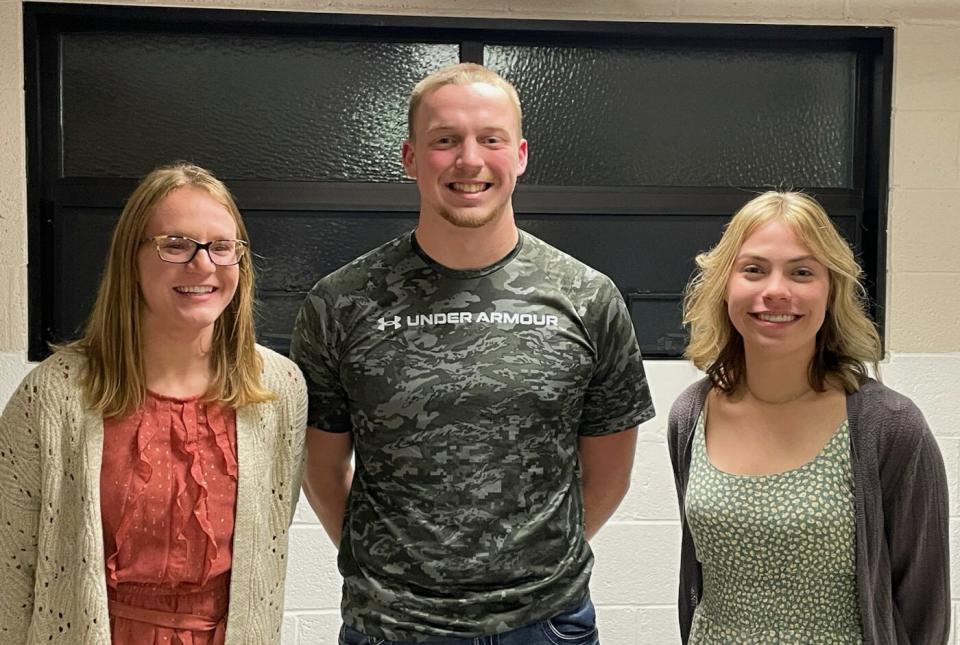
pixel 460 74
pixel 112 342
pixel 848 340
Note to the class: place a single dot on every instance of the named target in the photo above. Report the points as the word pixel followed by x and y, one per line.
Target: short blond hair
pixel 112 341
pixel 460 74
pixel 848 339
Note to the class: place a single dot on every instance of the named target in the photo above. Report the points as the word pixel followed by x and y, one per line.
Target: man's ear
pixel 409 159
pixel 523 151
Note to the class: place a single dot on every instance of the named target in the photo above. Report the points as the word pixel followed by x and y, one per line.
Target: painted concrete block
pixel 636 563
pixel 658 624
pixel 667 379
pixel 13 304
pixel 495 8
pixel 606 10
pixel 318 628
pixel 13 164
pixel 757 10
pixel 931 381
pixel 924 229
pixel 873 11
pixel 11 44
pixel 954 557
pixel 313 581
pixel 13 367
pixel 13 212
pixel 926 149
pixel 305 514
pixel 208 4
pixel 288 630
pixel 927 67
pixel 318 6
pixel 925 311
pixel 952 640
pixel 652 494
pixel 953 624
pixel 617 624
pixel 205 4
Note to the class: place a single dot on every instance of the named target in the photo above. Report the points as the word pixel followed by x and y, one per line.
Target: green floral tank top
pixel 777 551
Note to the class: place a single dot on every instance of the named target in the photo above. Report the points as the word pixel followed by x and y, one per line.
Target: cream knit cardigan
pixel 52 581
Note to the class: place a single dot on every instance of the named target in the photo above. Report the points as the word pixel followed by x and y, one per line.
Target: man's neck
pixel 463 248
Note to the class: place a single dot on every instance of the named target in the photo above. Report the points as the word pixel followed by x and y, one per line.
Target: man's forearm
pixel 327 495
pixel 599 504
pixel 606 463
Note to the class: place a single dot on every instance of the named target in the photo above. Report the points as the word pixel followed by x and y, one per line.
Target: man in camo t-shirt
pixel 489 387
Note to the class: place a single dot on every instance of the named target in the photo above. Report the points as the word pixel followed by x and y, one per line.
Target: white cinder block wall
pixel 634 583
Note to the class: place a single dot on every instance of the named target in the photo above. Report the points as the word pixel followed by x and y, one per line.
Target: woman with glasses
pixel 149 471
pixel 813 499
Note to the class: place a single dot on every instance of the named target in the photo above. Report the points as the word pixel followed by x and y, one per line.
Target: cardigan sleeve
pixel 685 604
pixel 680 423
pixel 916 524
pixel 285 379
pixel 298 416
pixel 20 493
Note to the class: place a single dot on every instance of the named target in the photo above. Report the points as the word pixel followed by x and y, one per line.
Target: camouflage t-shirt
pixel 465 392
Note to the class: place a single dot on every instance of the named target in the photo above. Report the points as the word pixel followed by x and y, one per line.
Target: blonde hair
pixel 848 339
pixel 460 74
pixel 112 342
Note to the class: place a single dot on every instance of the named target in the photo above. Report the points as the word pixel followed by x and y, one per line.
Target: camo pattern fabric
pixel 465 392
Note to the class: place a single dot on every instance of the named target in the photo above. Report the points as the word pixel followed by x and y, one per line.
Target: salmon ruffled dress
pixel 168 490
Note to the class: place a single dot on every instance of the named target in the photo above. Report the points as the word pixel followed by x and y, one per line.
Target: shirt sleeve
pixel 617 397
pixel 315 348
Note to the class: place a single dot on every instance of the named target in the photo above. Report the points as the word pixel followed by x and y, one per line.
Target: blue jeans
pixel 577 626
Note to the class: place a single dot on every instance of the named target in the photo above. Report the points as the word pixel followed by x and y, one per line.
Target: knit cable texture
pixel 51 541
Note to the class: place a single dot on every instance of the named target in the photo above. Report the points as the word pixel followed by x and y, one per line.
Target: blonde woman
pixel 149 470
pixel 813 499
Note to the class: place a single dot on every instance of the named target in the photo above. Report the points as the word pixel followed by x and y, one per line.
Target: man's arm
pixel 327 477
pixel 606 463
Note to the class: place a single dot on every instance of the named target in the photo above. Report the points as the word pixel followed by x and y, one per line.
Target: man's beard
pixel 470 218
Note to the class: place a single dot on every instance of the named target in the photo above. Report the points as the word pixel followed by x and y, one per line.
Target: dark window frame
pixel 46 187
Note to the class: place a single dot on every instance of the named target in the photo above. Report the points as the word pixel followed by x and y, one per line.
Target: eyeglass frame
pixel 198 245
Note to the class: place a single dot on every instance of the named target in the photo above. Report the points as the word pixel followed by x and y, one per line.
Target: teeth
pixel 469 188
pixel 196 289
pixel 776 317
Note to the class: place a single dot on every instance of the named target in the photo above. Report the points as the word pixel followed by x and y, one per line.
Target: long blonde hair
pixel 848 339
pixel 112 342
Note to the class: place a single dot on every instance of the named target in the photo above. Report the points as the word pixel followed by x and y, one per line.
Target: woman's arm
pixel 19 510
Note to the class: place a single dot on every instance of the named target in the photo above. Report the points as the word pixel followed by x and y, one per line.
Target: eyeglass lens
pixel 181 250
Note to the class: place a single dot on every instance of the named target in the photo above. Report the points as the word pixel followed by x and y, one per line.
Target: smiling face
pixel 777 293
pixel 466 154
pixel 186 299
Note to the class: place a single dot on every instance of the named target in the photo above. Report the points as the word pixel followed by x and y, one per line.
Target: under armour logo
pixel 383 323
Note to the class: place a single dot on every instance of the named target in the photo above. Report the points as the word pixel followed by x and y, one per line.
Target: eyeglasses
pixel 181 250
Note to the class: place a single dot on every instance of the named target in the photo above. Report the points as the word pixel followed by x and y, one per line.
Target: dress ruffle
pixel 164 466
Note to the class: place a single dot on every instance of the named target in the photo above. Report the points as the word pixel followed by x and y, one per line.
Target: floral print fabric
pixel 777 551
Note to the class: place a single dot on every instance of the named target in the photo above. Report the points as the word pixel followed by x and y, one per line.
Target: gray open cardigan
pixel 903 554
